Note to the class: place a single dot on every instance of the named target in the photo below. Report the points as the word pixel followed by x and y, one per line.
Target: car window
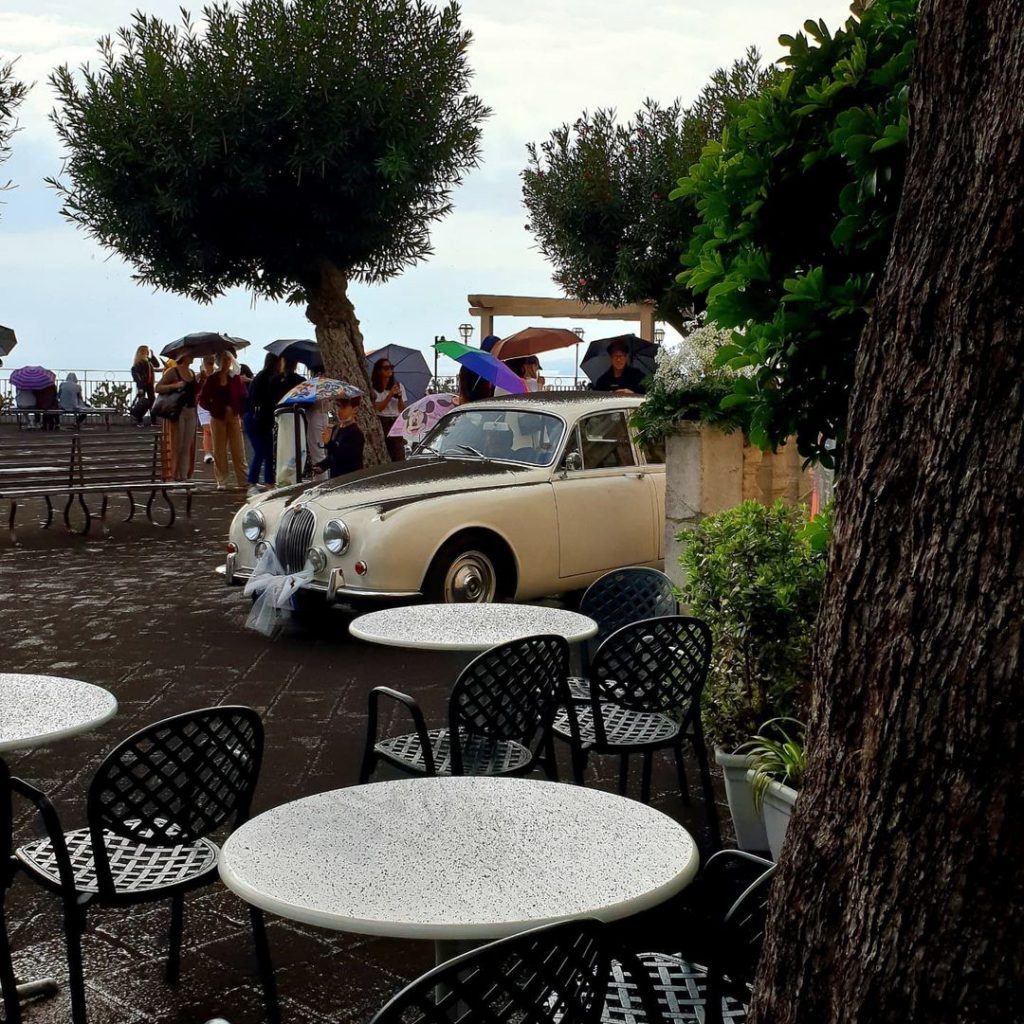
pixel 604 441
pixel 511 435
pixel 654 452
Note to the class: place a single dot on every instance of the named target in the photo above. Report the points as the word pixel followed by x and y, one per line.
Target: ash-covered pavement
pixel 144 615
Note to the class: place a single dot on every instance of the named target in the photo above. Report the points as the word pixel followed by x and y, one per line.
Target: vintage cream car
pixel 516 497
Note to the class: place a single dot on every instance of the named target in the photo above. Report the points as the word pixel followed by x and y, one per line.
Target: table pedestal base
pixel 449 949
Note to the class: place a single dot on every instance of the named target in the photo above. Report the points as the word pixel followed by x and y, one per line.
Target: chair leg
pixel 684 787
pixel 174 940
pixel 623 774
pixel 645 785
pixel 265 965
pixel 548 761
pixel 12 1007
pixel 368 764
pixel 710 807
pixel 74 927
pixel 579 766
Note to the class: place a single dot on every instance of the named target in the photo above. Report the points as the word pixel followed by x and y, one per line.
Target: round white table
pixel 34 712
pixel 37 710
pixel 468 627
pixel 457 860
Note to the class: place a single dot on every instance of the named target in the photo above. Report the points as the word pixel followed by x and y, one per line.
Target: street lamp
pixel 465 332
pixel 578 331
pixel 659 335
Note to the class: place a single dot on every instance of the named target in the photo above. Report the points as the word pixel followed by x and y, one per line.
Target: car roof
pixel 565 403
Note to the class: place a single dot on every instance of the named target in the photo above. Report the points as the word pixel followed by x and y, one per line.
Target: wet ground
pixel 144 615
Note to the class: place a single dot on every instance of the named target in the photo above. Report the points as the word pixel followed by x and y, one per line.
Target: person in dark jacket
pixel 288 378
pixel 620 377
pixel 259 422
pixel 343 442
pixel 145 380
pixel 224 395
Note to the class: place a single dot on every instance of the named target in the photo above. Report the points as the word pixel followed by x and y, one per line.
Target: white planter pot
pixel 746 822
pixel 777 808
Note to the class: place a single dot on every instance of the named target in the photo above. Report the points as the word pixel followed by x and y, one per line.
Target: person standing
pixel 144 378
pixel 343 443
pixel 620 377
pixel 179 435
pixel 259 422
pixel 208 368
pixel 224 395
pixel 287 379
pixel 389 399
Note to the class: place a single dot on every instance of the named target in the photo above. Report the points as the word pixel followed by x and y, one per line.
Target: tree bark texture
pixel 901 889
pixel 341 346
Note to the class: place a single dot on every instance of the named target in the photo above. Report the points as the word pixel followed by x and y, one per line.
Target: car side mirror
pixel 573 462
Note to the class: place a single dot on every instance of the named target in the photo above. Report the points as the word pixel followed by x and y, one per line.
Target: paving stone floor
pixel 143 614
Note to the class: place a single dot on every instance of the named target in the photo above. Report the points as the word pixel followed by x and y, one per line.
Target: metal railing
pixel 89 379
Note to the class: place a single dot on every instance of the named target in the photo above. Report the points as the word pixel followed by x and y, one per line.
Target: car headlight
pixel 253 524
pixel 336 537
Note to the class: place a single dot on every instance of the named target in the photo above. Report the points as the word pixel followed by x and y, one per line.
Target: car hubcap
pixel 470 579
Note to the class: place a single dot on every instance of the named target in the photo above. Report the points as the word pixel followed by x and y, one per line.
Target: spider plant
pixel 777 754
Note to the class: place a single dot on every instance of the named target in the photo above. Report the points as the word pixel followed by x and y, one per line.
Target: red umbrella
pixel 532 340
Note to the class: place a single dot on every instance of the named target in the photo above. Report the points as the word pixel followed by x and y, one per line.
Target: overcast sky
pixel 538 64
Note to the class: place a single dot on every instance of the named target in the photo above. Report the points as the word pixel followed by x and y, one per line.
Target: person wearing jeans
pixel 224 396
pixel 259 422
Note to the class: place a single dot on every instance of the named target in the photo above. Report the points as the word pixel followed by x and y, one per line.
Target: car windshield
pixel 531 438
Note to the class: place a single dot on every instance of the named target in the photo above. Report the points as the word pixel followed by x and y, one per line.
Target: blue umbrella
pixel 411 370
pixel 302 350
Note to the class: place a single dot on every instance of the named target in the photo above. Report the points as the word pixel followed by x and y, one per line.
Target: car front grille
pixel 293 538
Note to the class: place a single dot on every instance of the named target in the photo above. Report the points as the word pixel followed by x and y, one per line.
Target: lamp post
pixel 465 332
pixel 437 338
pixel 659 335
pixel 578 331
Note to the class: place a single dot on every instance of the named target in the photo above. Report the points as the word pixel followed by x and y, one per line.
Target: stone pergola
pixel 487 307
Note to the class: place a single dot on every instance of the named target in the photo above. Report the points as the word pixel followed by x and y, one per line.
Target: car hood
pixel 400 483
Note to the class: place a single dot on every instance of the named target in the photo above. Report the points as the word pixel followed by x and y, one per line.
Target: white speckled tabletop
pixel 457 858
pixel 36 710
pixel 468 627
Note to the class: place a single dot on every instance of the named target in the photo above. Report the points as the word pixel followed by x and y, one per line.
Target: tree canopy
pixel 286 133
pixel 12 93
pixel 797 203
pixel 597 193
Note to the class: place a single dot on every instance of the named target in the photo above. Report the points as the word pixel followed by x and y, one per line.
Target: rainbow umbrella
pixel 483 364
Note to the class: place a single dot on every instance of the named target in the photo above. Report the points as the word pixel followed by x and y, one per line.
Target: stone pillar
pixel 703 474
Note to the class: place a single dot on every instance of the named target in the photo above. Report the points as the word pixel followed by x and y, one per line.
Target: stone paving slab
pixel 143 614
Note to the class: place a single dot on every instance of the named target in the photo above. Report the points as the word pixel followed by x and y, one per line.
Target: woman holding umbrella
pixel 224 394
pixel 179 424
pixel 389 400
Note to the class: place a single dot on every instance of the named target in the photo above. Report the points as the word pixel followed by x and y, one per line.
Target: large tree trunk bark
pixel 341 346
pixel 901 888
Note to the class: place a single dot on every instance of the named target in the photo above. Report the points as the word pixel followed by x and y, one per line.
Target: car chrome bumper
pixel 334 590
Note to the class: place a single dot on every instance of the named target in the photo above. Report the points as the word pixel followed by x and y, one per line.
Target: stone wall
pixel 708 470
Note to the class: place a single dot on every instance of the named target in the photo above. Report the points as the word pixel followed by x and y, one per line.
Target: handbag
pixel 168 405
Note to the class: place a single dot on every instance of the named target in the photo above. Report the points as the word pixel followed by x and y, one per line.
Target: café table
pixel 458 860
pixel 35 711
pixel 469 628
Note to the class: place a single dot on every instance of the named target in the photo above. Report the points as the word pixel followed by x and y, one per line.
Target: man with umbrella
pixel 620 378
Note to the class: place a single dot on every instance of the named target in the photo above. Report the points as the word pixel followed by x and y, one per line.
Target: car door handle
pixel 637 476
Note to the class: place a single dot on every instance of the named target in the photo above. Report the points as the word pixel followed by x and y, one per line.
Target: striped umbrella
pixel 33 378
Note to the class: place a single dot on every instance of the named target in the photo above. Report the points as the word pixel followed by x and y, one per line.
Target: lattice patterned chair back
pixel 657 665
pixel 737 945
pixel 548 975
pixel 512 691
pixel 627 595
pixel 178 780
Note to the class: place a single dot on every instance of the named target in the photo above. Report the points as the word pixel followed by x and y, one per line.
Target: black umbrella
pixel 7 341
pixel 642 355
pixel 302 350
pixel 203 343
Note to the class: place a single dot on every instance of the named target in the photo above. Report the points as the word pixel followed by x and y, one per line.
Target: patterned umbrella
pixel 33 378
pixel 415 420
pixel 483 364
pixel 319 389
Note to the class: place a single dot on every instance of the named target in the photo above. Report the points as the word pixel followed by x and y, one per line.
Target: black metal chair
pixel 151 807
pixel 615 600
pixel 500 714
pixel 551 975
pixel 646 684
pixel 716 990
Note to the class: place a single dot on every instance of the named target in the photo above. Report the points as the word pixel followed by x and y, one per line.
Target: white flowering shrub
pixel 692 359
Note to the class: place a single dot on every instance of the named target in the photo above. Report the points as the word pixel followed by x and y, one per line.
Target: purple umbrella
pixel 33 378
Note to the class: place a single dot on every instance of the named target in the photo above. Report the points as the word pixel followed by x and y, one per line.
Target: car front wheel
pixel 464 573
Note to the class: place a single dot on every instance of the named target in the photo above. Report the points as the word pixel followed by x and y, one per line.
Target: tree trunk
pixel 902 881
pixel 341 346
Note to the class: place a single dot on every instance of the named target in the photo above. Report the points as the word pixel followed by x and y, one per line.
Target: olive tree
pixel 289 147
pixel 12 93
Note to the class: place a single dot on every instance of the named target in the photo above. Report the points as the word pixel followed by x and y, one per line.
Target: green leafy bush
pixel 797 204
pixel 753 577
pixel 110 394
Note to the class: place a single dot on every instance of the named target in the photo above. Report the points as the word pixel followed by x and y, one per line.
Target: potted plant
pixel 753 574
pixel 778 759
